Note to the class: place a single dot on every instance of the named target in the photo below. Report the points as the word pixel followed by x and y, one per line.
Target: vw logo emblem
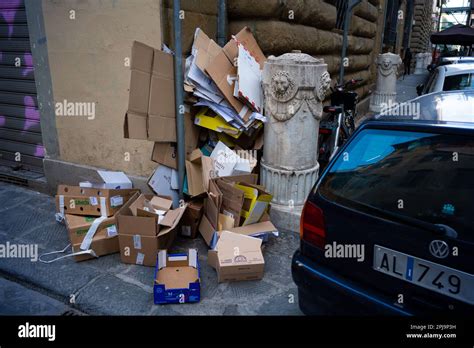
pixel 439 249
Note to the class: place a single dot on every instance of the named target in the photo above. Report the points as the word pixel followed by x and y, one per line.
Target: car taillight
pixel 325 131
pixel 312 229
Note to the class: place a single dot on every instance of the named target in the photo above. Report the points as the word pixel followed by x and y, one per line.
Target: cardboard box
pixel 161 107
pixel 237 257
pixel 221 71
pixel 104 242
pixel 151 113
pixel 262 230
pixel 135 126
pixel 224 198
pixel 91 201
pixel 246 38
pixel 256 202
pixel 191 219
pixel 208 119
pixel 177 278
pixel 166 153
pixel 110 180
pixel 248 87
pixel 142 233
pixel 199 169
pixel 222 68
pixel 228 162
pixel 164 181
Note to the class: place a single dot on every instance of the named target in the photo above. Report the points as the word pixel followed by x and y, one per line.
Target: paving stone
pixel 16 299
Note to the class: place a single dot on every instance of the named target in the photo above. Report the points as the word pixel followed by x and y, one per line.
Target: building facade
pixel 80 56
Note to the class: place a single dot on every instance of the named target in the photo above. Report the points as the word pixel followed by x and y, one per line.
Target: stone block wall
pixel 422 29
pixel 309 26
pixel 284 25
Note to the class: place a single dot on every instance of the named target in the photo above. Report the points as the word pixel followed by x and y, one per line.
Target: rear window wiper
pixel 440 229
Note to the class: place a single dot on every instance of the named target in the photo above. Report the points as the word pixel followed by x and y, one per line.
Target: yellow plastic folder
pixel 207 119
pixel 256 202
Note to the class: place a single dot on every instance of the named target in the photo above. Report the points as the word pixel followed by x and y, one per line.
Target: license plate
pixel 429 275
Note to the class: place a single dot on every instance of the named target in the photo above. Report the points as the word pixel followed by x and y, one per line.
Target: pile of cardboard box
pixel 223 200
pixel 90 213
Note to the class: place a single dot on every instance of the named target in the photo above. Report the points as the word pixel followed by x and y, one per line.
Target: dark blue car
pixel 389 226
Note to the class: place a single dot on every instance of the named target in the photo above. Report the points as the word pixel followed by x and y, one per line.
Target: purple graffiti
pixel 28 59
pixel 9 14
pixel 2 121
pixel 39 151
pixel 32 115
pixel 28 63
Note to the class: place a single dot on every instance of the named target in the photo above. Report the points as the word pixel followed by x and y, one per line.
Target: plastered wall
pixel 89 42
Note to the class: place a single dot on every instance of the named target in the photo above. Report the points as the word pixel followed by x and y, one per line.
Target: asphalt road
pixel 105 286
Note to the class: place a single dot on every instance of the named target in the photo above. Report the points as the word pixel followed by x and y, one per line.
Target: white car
pixel 452 77
pixel 456 60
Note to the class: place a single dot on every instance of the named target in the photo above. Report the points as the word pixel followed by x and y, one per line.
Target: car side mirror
pixel 419 89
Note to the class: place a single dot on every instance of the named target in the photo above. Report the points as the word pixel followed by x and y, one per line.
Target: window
pixel 458 82
pixel 430 83
pixel 382 167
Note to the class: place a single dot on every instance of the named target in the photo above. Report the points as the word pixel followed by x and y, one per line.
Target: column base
pixel 286 218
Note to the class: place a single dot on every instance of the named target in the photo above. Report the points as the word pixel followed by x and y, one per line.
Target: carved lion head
pixel 283 87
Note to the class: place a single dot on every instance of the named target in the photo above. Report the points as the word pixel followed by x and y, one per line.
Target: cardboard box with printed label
pixel 91 201
pixel 191 219
pixel 145 226
pixel 104 242
pixel 237 257
pixel 151 111
pixel 177 278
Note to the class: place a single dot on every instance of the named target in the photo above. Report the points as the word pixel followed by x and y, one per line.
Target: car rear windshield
pixel 423 176
pixel 458 82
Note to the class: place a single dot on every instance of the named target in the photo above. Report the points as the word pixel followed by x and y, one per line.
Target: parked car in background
pixel 455 60
pixel 401 189
pixel 453 77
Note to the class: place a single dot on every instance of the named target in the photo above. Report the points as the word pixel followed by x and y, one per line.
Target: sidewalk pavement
pixel 406 90
pixel 406 86
pixel 105 286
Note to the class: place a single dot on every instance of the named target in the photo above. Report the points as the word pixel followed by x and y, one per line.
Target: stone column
pixel 294 84
pixel 420 61
pixel 386 85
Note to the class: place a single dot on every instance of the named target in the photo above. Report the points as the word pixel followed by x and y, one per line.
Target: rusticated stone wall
pixel 310 26
pixel 284 25
pixel 422 29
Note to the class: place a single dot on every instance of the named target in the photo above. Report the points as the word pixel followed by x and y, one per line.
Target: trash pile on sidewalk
pixel 224 202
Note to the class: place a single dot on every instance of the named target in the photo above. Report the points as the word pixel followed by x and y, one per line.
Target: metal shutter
pixel 20 131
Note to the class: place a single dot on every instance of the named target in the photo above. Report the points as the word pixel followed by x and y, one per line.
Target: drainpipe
pixel 383 26
pixel 221 22
pixel 178 88
pixel 347 22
